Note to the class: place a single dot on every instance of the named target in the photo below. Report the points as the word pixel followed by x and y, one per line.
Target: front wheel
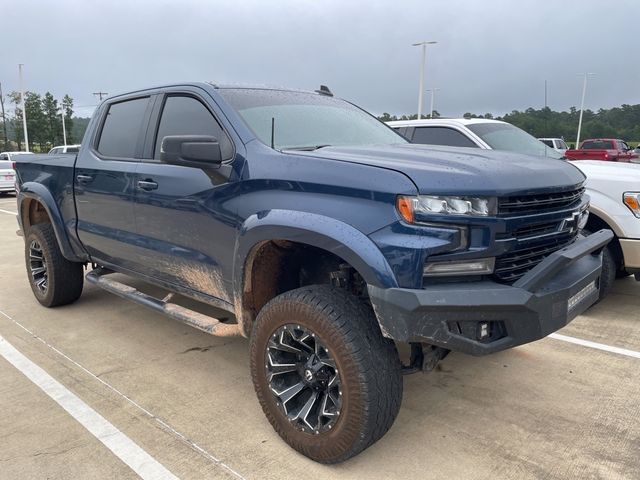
pixel 329 383
pixel 609 269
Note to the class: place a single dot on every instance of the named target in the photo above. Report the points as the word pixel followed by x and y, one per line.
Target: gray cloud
pixel 492 55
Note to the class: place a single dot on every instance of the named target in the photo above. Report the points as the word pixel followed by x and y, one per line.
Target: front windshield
pixel 307 121
pixel 504 136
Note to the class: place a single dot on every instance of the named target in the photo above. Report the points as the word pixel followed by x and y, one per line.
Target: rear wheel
pixel 329 383
pixel 54 280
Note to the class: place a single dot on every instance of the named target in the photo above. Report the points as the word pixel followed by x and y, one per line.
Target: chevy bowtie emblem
pixel 570 224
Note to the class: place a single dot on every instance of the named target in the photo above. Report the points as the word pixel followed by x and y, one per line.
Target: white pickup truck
pixel 614 187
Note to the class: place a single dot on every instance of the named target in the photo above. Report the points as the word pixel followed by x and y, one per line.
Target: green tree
pixel 53 125
pixel 15 121
pixel 67 108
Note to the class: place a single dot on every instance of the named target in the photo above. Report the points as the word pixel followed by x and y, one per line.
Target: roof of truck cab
pixel 210 85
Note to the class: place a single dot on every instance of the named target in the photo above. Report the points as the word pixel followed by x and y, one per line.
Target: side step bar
pixel 184 315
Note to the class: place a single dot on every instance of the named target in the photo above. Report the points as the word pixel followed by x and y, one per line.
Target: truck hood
pixel 610 176
pixel 462 171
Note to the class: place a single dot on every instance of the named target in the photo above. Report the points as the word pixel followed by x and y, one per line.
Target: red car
pixel 608 149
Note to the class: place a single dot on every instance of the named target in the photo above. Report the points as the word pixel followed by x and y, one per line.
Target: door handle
pixel 84 179
pixel 147 185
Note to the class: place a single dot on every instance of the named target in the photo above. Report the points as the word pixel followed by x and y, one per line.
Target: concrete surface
pixel 542 411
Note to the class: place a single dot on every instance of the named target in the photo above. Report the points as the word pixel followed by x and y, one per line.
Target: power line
pixel 100 94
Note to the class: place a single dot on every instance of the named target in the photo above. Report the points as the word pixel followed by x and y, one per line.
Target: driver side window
pixel 184 115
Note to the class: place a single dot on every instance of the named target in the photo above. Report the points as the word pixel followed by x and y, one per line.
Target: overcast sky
pixel 492 55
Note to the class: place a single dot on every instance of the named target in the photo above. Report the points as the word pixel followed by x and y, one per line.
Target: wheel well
pixel 277 266
pixel 33 213
pixel 594 224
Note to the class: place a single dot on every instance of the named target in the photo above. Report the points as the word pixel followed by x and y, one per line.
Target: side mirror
pixel 190 150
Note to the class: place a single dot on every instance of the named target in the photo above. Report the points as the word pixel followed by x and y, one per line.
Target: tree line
pixel 44 121
pixel 618 122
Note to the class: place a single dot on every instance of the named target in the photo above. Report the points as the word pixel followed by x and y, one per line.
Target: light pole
pixel 422 65
pixel 433 94
pixel 24 110
pixel 584 92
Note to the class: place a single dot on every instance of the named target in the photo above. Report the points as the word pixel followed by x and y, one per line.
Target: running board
pixel 207 324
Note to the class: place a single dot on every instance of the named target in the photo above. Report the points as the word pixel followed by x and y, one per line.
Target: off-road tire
pixel 64 278
pixel 622 273
pixel 609 270
pixel 368 365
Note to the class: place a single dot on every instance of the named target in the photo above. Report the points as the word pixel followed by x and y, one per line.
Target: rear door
pixel 104 183
pixel 183 214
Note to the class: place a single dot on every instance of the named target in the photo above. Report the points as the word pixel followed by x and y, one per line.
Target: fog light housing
pixel 479 266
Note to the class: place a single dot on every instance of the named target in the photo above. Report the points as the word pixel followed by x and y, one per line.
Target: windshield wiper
pixel 310 148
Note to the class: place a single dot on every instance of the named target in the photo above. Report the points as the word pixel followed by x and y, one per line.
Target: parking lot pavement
pixel 551 409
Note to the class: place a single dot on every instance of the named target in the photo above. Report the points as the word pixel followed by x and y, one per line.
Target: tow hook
pixel 424 358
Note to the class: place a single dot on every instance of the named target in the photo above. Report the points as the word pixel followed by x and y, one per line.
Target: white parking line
pixel 9 212
pixel 122 446
pixel 164 425
pixel 596 345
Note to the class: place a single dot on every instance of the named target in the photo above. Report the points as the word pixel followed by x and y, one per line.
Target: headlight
pixel 632 200
pixel 408 207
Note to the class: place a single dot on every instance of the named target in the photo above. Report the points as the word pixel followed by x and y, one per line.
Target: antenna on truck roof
pixel 324 90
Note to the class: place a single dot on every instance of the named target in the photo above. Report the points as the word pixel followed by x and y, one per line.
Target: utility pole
pixel 545 109
pixel 584 93
pixel 4 120
pixel 100 94
pixel 422 65
pixel 24 110
pixel 433 94
pixel 64 128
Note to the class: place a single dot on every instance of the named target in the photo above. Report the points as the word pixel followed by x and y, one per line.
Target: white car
pixel 64 149
pixel 7 174
pixel 472 132
pixel 558 144
pixel 614 187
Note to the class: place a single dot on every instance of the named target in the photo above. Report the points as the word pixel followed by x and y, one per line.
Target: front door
pixel 183 213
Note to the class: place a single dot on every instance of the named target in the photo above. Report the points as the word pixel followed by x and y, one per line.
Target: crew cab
pixel 326 237
pixel 605 149
pixel 613 188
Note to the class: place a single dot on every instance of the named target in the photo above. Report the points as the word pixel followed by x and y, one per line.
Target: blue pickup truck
pixel 332 242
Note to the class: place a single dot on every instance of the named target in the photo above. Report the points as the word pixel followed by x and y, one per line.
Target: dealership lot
pixel 552 409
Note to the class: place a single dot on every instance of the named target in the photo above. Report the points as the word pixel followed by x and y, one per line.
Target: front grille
pixel 514 264
pixel 522 204
pixel 537 230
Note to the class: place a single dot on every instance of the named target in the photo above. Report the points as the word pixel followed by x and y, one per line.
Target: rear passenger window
pixel 184 115
pixel 441 136
pixel 121 128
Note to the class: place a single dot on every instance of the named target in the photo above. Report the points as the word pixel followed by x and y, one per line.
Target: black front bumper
pixel 536 305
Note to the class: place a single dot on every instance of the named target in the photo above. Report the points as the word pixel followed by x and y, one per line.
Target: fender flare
pixel 327 233
pixel 36 191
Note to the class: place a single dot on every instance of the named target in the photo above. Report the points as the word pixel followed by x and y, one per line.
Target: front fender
pixel 614 213
pixel 316 230
pixel 38 192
